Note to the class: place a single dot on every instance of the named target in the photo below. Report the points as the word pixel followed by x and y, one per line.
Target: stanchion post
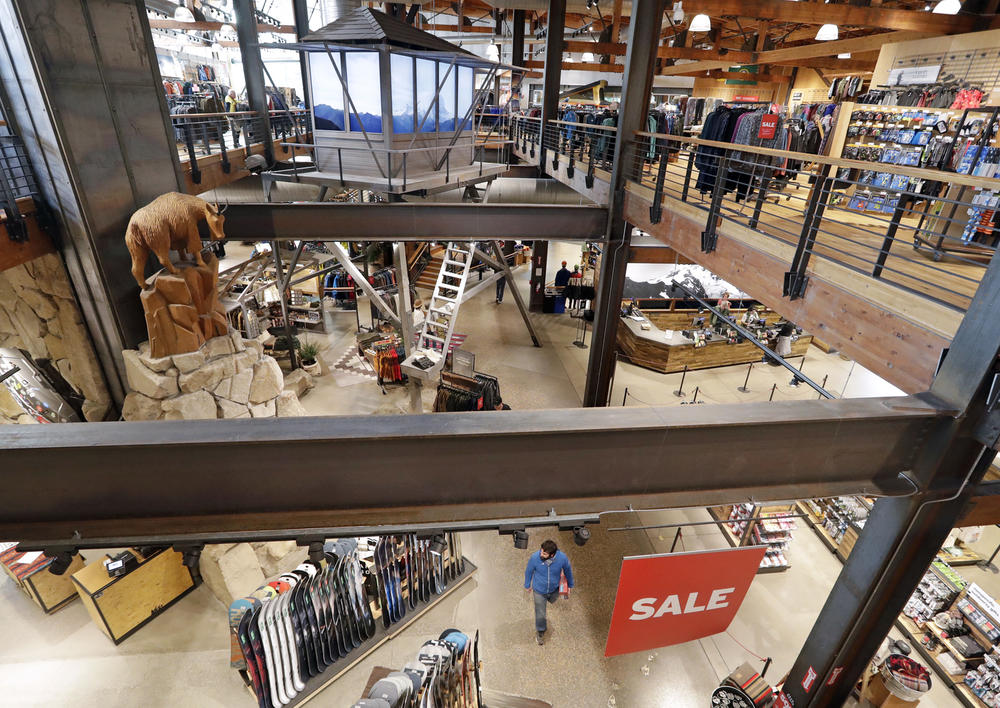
pixel 694 399
pixel 745 388
pixel 680 390
pixel 625 397
pixel 677 537
pixel 773 388
pixel 795 379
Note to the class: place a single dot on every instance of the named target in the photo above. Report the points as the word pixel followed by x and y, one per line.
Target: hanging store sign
pixel 674 598
pixel 768 126
pixel 914 75
pixel 745 99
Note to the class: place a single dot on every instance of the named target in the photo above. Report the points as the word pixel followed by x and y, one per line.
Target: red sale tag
pixel 768 126
pixel 678 597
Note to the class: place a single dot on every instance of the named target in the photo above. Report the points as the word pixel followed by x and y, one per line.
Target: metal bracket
pixel 708 240
pixel 569 168
pixel 988 430
pixel 17 227
pixel 794 285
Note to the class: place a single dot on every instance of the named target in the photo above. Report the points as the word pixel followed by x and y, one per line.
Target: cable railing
pixel 870 217
pixel 17 181
pixel 209 137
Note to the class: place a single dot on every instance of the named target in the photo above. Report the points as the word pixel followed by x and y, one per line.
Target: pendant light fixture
pixel 701 23
pixel 827 32
pixel 845 55
pixel 587 58
pixel 947 7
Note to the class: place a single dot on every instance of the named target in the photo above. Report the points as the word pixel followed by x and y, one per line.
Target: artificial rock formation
pixel 182 310
pixel 234 570
pixel 227 377
pixel 39 314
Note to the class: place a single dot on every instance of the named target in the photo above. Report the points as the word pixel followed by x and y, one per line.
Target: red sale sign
pixel 768 126
pixel 678 597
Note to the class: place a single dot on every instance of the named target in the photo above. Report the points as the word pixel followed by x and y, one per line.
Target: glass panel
pixel 465 90
pixel 327 92
pixel 426 86
pixel 365 89
pixel 402 93
pixel 446 101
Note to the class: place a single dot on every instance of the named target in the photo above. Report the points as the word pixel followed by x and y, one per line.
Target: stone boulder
pixel 277 557
pixel 267 380
pixel 190 406
pixel 146 381
pixel 230 571
pixel 298 382
pixel 288 405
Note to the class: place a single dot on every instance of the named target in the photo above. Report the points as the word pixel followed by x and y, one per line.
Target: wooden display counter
pixel 684 319
pixel 120 606
pixel 50 592
pixel 652 349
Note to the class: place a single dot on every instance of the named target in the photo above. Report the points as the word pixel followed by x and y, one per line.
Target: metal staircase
pixel 435 334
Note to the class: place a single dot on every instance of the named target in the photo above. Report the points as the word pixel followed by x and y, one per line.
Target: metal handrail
pixel 611 128
pixel 395 151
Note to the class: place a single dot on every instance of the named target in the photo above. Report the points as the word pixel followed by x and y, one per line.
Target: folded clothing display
pixel 904 677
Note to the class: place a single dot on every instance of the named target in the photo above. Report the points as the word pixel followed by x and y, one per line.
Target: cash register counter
pixel 652 349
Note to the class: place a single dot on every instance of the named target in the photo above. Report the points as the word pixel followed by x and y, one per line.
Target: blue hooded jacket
pixel 543 576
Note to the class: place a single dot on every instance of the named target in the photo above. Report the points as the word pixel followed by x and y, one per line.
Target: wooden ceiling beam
pixel 736 76
pixel 578 66
pixel 480 29
pixel 839 46
pixel 823 13
pixel 702 66
pixel 831 62
pixel 731 56
pixel 613 48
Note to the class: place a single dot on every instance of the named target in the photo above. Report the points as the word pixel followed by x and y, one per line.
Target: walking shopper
pixel 541 578
pixel 501 287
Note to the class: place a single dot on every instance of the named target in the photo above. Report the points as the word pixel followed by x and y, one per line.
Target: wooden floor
pixel 847 237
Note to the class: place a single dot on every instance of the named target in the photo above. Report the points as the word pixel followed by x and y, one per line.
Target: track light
pixel 845 55
pixel 701 23
pixel 182 14
pixel 521 539
pixel 438 544
pixel 827 33
pixel 61 560
pixel 581 534
pixel 678 12
pixel 947 7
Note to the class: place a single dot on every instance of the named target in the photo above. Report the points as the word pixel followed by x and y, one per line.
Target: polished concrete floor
pixel 181 658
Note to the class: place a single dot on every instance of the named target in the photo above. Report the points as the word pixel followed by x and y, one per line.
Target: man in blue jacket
pixel 541 578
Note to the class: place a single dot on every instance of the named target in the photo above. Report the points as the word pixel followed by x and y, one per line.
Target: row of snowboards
pixel 293 628
pixel 445 674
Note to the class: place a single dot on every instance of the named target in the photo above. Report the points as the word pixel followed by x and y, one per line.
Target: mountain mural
pixel 653 280
pixel 328 117
pixel 371 121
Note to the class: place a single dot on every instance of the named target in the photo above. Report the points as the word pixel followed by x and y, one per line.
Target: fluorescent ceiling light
pixel 845 55
pixel 947 7
pixel 182 14
pixel 828 32
pixel 587 58
pixel 702 23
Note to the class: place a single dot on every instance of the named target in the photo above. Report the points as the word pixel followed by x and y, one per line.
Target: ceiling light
pixel 493 52
pixel 947 7
pixel 182 14
pixel 701 23
pixel 828 32
pixel 678 12
pixel 845 55
pixel 587 58
pixel 216 47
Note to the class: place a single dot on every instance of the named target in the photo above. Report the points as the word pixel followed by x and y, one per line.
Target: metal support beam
pixel 253 71
pixel 301 10
pixel 902 536
pixel 362 282
pixel 406 318
pixel 539 264
pixel 501 263
pixel 157 469
pixel 554 29
pixel 517 50
pixel 640 61
pixel 280 280
pixel 264 221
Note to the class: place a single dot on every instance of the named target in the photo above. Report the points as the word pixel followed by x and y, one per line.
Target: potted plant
pixel 307 353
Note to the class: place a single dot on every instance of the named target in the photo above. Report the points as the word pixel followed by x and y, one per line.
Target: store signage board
pixel 914 75
pixel 673 598
pixel 986 603
pixel 463 362
pixel 809 679
pixel 834 675
pixel 746 98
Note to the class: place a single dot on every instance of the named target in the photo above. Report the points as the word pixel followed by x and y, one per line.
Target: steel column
pixel 554 43
pixel 280 280
pixel 253 70
pixel 644 37
pixel 539 264
pixel 517 52
pixel 405 307
pixel 512 285
pixel 301 10
pixel 85 92
pixel 901 537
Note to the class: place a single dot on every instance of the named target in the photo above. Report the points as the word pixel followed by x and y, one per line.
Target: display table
pixel 48 591
pixel 652 349
pixel 120 606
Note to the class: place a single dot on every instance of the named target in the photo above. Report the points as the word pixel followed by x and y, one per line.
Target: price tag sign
pixel 768 126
